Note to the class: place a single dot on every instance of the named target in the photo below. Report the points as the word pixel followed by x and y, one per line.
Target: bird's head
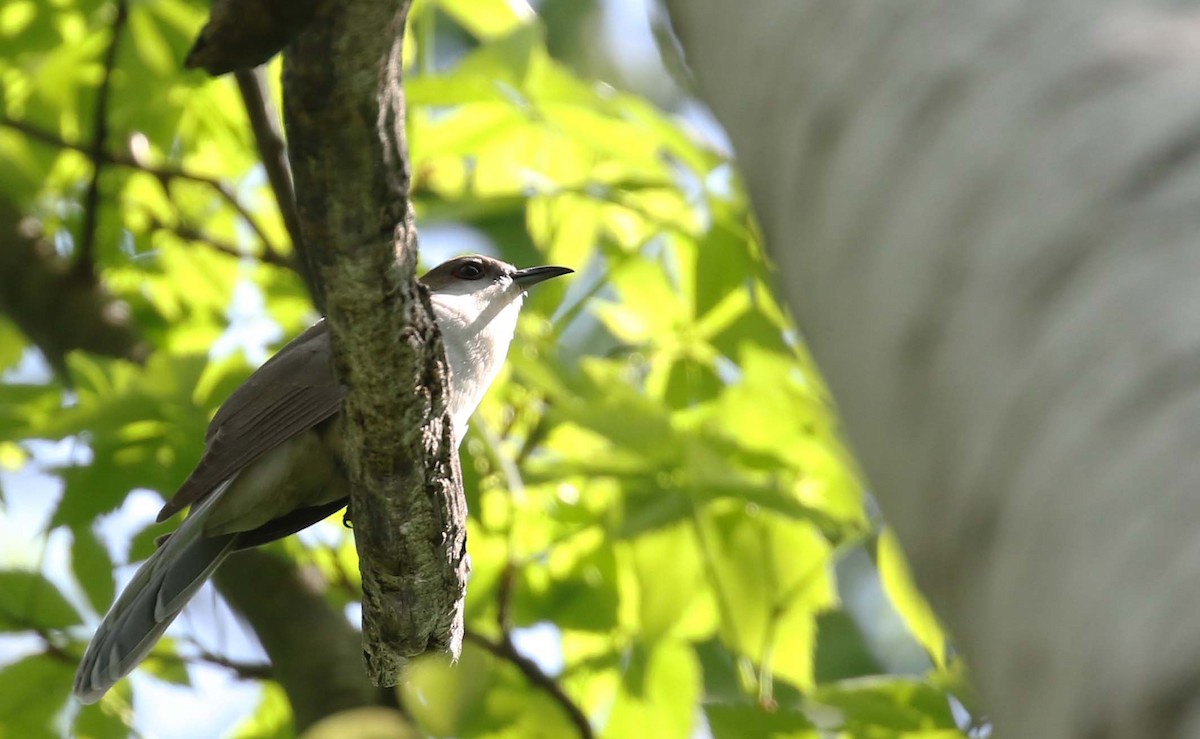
pixel 486 279
pixel 475 289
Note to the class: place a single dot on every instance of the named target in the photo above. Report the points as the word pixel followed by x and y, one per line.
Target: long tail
pixel 151 601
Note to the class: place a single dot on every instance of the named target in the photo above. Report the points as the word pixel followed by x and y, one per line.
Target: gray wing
pixel 295 390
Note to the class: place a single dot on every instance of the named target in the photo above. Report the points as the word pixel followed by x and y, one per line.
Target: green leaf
pixel 576 589
pixel 271 720
pixel 28 600
pixel 93 569
pixel 108 719
pixel 755 722
pixel 24 409
pixel 146 431
pixel 841 652
pixel 479 696
pixel 491 73
pixel 32 692
pixel 12 343
pixel 771 578
pixel 669 574
pixel 887 702
pixel 658 693
pixel 896 578
pixel 486 19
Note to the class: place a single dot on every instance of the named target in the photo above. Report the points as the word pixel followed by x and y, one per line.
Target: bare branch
pixel 244 670
pixel 85 255
pixel 191 233
pixel 273 152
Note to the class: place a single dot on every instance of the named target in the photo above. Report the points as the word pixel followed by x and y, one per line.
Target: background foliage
pixel 656 485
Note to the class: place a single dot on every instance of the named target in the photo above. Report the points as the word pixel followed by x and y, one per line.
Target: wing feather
pixel 292 392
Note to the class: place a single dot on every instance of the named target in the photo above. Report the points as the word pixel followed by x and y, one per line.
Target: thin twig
pixel 264 122
pixel 504 599
pixel 272 150
pixel 85 260
pixel 244 670
pixel 164 173
pixel 535 437
pixel 51 648
pixel 506 651
pixel 191 233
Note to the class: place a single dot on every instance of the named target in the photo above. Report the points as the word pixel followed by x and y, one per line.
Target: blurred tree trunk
pixel 315 652
pixel 985 216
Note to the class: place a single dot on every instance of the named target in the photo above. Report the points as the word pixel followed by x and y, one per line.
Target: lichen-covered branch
pixel 344 114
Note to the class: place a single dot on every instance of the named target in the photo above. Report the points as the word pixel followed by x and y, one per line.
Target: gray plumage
pixel 272 457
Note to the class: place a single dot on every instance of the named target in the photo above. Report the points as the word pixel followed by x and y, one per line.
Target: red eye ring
pixel 468 271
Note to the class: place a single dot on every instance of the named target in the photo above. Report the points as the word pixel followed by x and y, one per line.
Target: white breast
pixel 477 329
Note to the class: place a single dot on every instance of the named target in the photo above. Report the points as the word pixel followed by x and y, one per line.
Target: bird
pixel 271 462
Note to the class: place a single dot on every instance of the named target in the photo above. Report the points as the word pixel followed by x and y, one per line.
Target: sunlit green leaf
pixel 12 344
pixel 271 720
pixel 480 696
pixel 30 601
pixel 670 578
pixel 487 18
pixel 890 703
pixel 32 691
pixel 93 569
pixel 658 693
pixel 108 719
pixel 908 601
pixel 755 722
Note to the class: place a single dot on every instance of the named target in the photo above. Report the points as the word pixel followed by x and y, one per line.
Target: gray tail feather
pixel 154 597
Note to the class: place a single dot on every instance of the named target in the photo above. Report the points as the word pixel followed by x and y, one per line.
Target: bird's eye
pixel 468 271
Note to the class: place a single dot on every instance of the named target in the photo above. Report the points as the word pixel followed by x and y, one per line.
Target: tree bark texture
pixel 241 34
pixel 344 114
pixel 985 217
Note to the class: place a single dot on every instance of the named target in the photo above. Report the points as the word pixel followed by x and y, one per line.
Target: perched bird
pixel 271 463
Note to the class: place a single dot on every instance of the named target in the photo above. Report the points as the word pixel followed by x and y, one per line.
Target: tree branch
pixel 505 650
pixel 273 152
pixel 191 233
pixel 312 647
pixel 244 670
pixel 242 34
pixel 165 173
pixel 85 258
pixel 344 112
